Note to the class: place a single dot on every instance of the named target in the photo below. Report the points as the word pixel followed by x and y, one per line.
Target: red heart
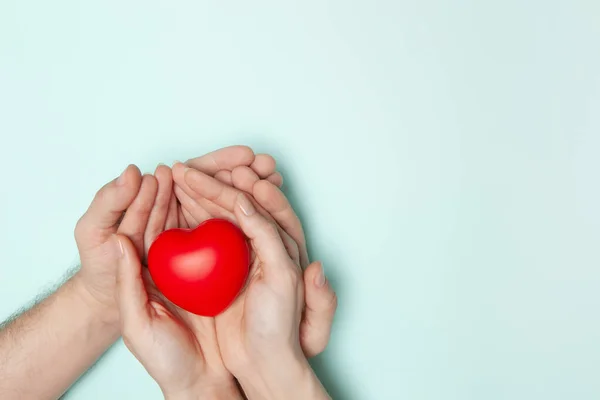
pixel 201 270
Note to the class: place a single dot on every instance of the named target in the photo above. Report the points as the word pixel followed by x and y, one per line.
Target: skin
pixel 256 335
pixel 178 349
pixel 33 344
pixel 149 322
pixel 320 300
pixel 136 209
pixel 264 329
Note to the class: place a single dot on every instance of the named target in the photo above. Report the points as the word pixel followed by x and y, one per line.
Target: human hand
pixel 262 327
pixel 221 165
pixel 93 232
pixel 321 301
pixel 106 216
pixel 178 349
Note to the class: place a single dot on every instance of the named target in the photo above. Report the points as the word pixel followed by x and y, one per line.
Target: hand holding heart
pixel 176 347
pixel 260 332
pixel 183 351
pixel 138 208
pixel 197 188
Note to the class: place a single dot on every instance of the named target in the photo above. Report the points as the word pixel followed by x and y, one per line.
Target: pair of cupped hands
pixel 262 341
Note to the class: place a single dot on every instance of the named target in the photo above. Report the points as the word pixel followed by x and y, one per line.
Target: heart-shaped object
pixel 201 270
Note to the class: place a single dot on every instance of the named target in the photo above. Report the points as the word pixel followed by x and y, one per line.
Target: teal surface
pixel 444 156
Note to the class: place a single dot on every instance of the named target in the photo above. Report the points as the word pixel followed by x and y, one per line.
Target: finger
pixel 172 216
pixel 244 178
pixel 290 245
pixel 207 187
pixel 197 209
pixel 276 179
pixel 131 294
pixel 111 201
pixel 321 304
pixel 160 210
pixel 272 199
pixel 136 218
pixel 223 159
pixel 191 222
pixel 264 165
pixel 197 204
pixel 225 197
pixel 224 176
pixel 264 236
pixel 182 221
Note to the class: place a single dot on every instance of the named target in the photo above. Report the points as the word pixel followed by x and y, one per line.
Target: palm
pixel 253 315
pixel 170 342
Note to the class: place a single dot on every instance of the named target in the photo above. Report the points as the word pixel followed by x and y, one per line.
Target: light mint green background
pixel 444 156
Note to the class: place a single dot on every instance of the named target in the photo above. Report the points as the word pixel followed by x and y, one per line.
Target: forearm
pixel 47 348
pixel 289 380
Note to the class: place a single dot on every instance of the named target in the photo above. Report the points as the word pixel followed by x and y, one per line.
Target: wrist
pixel 287 377
pixel 207 391
pixel 106 315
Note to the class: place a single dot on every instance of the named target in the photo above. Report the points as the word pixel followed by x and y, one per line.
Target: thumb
pixel 264 236
pixel 321 303
pixel 111 201
pixel 131 293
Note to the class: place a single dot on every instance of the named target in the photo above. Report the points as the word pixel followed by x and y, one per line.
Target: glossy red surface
pixel 201 270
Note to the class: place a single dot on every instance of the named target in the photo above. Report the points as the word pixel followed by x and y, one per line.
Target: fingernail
pixel 320 278
pixel 121 250
pixel 121 179
pixel 245 204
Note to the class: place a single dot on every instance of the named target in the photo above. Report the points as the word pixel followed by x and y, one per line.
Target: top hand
pixel 262 327
pixel 194 187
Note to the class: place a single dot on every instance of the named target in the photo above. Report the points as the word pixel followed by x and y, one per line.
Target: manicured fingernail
pixel 320 278
pixel 121 179
pixel 245 204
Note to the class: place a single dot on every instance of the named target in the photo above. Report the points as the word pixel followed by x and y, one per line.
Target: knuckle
pixel 101 195
pixel 86 232
pixel 80 228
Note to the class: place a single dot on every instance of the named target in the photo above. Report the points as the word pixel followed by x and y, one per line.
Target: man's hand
pixel 93 232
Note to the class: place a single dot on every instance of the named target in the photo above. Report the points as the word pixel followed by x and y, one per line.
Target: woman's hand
pixel 221 164
pixel 194 187
pixel 153 330
pixel 178 349
pixel 260 331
